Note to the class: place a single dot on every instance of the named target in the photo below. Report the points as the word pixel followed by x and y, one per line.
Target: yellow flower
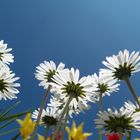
pixel 26 126
pixel 40 137
pixel 77 133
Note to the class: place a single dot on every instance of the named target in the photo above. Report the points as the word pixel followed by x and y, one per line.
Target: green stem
pixel 100 101
pixel 47 131
pixel 100 109
pixel 67 115
pixel 62 116
pixel 120 136
pixel 39 114
pixel 129 137
pixel 126 79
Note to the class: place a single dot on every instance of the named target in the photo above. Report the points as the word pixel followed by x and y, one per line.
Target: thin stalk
pixel 100 109
pixel 47 131
pixel 100 102
pixel 129 137
pixel 120 136
pixel 67 115
pixel 39 114
pixel 126 79
pixel 9 131
pixel 62 116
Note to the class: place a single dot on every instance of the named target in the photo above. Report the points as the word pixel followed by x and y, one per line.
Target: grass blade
pixel 9 109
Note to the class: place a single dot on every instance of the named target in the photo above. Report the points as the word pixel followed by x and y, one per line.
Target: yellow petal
pixel 40 137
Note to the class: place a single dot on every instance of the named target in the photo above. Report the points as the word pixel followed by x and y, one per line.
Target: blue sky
pixel 79 33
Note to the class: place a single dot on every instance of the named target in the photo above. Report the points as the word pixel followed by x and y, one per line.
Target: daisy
pixel 68 84
pixel 131 106
pixel 45 71
pixel 60 104
pixel 8 85
pixel 118 121
pixel 104 85
pixel 72 90
pixel 124 64
pixel 49 117
pixel 5 56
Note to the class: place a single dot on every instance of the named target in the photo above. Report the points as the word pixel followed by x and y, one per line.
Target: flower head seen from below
pixel 5 56
pixel 67 83
pixel 8 87
pixel 104 85
pixel 76 133
pixel 114 136
pixel 26 126
pixel 49 117
pixel 122 65
pixel 45 72
pixel 131 107
pixel 60 104
pixel 118 121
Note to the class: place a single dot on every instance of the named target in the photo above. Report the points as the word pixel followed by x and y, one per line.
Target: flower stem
pixel 129 137
pixel 126 79
pixel 62 116
pixel 120 136
pixel 39 114
pixel 66 118
pixel 100 109
pixel 100 101
pixel 47 131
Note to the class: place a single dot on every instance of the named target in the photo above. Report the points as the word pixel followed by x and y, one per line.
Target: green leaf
pixel 15 116
pixel 9 109
pixel 7 123
pixel 9 131
pixel 16 136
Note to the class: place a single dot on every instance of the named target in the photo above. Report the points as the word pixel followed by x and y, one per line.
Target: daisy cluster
pixel 71 94
pixel 8 84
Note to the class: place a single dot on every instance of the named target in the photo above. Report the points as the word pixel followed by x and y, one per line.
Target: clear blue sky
pixel 80 33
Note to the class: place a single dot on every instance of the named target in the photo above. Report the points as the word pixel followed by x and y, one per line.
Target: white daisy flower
pixel 67 83
pixel 55 102
pixel 60 104
pixel 8 87
pixel 104 85
pixel 49 117
pixel 131 106
pixel 45 71
pixel 5 56
pixel 123 64
pixel 118 121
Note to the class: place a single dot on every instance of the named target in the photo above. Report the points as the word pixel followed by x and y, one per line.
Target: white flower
pixel 50 116
pixel 56 102
pixel 123 64
pixel 8 87
pixel 131 107
pixel 45 71
pixel 104 85
pixel 5 56
pixel 67 83
pixel 122 121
